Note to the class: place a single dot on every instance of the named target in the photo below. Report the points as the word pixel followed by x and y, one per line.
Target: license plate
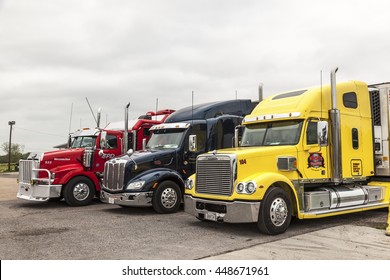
pixel 111 200
pixel 211 216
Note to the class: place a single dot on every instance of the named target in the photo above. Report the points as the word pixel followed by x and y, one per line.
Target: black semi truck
pixel 155 176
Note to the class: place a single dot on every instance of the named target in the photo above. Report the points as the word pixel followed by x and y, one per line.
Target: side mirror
pixel 103 140
pixel 238 131
pixel 192 143
pixel 322 133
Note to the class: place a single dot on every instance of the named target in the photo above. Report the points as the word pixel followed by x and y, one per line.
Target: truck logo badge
pixel 316 160
pixel 104 156
pixel 242 161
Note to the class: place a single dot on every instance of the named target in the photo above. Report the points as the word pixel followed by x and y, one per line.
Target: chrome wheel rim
pixel 81 191
pixel 168 198
pixel 278 211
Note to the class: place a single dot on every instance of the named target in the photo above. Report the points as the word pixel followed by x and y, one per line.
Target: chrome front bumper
pixel 30 192
pixel 222 211
pixel 142 199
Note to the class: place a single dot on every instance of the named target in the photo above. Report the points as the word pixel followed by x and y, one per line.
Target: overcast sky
pixel 56 53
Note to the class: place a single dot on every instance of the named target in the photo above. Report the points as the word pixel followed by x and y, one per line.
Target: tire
pixel 275 212
pixel 79 191
pixel 167 197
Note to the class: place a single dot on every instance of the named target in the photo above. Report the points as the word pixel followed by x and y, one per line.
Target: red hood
pixel 62 157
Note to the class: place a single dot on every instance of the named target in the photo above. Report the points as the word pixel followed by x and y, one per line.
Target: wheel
pixel 79 191
pixel 167 197
pixel 275 212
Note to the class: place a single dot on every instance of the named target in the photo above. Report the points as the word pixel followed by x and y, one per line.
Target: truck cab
pixel 155 176
pixel 307 153
pixel 74 173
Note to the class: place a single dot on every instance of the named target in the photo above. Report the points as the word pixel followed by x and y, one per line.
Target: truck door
pixel 313 160
pixel 110 147
pixel 188 162
pixel 223 134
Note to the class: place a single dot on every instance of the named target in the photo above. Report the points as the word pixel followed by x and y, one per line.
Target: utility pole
pixel 10 123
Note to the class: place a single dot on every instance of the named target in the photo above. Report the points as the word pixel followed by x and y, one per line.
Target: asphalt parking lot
pixel 53 230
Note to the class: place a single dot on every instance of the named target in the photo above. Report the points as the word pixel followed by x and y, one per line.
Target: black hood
pixel 141 161
pixel 140 157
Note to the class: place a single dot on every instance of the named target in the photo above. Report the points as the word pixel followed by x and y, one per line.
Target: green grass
pixel 4 167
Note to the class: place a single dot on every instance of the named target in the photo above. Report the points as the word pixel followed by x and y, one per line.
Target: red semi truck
pixel 74 173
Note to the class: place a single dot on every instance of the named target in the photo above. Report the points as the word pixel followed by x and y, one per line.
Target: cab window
pixel 112 142
pixel 84 142
pixel 350 100
pixel 311 133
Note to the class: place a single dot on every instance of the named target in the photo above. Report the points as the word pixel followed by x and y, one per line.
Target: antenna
pixel 236 94
pixel 321 90
pixel 91 111
pixel 70 120
pixel 192 109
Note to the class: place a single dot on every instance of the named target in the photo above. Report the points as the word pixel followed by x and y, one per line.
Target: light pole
pixel 10 123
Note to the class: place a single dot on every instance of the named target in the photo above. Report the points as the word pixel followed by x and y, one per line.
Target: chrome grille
pixel 214 174
pixel 114 174
pixel 26 172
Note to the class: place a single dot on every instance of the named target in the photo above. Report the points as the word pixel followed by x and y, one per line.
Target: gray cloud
pixel 55 53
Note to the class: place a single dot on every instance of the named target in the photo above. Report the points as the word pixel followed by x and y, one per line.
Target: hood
pixel 252 161
pixel 61 157
pixel 144 156
pixel 145 160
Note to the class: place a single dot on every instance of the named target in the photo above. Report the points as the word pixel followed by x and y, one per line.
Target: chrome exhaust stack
pixel 336 131
pixel 260 92
pixel 126 131
pixel 99 113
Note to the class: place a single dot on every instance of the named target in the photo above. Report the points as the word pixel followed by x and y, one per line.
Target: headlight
pixel 250 188
pixel 246 187
pixel 240 187
pixel 189 184
pixel 135 185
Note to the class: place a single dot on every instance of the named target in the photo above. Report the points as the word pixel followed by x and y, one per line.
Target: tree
pixel 16 151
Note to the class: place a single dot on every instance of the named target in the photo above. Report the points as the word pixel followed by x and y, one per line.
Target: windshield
pixel 165 139
pixel 83 142
pixel 272 134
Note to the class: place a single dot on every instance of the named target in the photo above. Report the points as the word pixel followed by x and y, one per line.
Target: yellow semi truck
pixel 309 153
